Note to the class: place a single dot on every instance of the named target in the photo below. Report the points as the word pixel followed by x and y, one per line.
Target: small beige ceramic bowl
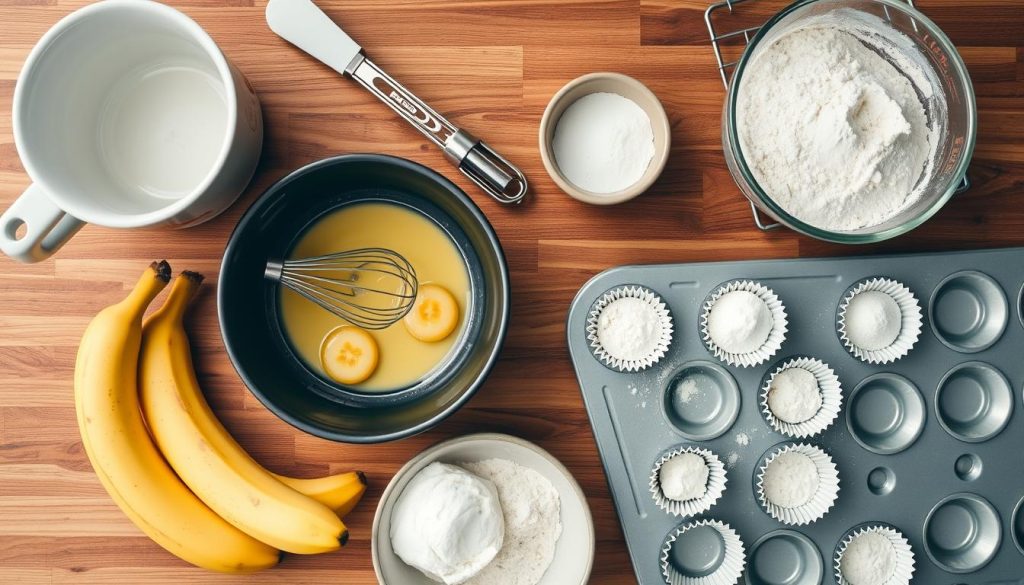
pixel 611 83
pixel 574 553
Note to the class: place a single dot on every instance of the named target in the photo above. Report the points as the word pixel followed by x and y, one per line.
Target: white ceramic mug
pixel 126 114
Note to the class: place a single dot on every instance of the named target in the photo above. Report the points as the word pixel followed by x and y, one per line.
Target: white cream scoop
pixel 447 523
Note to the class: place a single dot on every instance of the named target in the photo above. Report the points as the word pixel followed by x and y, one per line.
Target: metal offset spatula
pixel 303 24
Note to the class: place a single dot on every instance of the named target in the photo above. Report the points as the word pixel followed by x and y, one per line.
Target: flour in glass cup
pixel 832 130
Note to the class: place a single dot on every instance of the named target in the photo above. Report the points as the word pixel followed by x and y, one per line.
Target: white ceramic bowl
pixel 628 88
pixel 574 553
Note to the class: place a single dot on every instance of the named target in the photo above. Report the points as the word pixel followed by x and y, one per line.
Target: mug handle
pixel 47 227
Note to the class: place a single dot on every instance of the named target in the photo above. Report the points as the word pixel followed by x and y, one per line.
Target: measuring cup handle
pixel 47 227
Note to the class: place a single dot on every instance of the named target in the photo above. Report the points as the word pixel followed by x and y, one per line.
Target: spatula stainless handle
pixel 303 24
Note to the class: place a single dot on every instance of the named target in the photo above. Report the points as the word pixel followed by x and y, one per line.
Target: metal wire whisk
pixel 372 288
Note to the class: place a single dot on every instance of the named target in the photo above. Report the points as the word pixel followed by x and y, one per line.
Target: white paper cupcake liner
pixel 831 399
pixel 775 338
pixel 904 570
pixel 910 322
pixel 727 573
pixel 820 502
pixel 715 487
pixel 649 297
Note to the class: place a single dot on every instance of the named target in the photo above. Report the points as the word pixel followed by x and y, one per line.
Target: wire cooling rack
pixel 725 68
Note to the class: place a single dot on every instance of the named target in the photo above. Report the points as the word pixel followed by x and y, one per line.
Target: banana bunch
pixel 167 461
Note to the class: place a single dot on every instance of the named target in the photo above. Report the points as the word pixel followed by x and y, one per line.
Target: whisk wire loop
pixel 372 288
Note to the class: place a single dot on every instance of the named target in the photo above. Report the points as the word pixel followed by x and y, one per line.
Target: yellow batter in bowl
pixel 403 359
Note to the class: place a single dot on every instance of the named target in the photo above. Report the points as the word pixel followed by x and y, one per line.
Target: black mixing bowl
pixel 250 325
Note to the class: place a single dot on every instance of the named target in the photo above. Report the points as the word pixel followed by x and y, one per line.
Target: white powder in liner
pixel 791 480
pixel 629 329
pixel 835 133
pixel 740 322
pixel 684 477
pixel 869 559
pixel 873 320
pixel 603 143
pixel 532 512
pixel 794 396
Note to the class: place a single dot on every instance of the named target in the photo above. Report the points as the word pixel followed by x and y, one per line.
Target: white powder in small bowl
pixel 740 322
pixel 791 480
pixel 603 143
pixel 794 396
pixel 684 477
pixel 869 559
pixel 873 320
pixel 629 329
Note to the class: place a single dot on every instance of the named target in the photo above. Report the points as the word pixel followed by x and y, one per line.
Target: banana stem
pixel 183 290
pixel 152 281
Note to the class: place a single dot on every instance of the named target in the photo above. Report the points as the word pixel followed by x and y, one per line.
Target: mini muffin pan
pixel 930 444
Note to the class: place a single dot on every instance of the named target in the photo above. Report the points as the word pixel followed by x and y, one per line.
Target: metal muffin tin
pixel 932 444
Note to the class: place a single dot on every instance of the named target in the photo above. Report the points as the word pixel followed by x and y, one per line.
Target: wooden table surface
pixel 491 65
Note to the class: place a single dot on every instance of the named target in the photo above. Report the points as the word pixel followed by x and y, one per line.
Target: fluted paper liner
pixel 715 486
pixel 771 345
pixel 910 322
pixel 820 502
pixel 636 292
pixel 831 399
pixel 728 573
pixel 904 570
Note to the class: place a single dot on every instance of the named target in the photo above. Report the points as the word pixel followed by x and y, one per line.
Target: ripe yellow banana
pixel 124 456
pixel 206 458
pixel 339 492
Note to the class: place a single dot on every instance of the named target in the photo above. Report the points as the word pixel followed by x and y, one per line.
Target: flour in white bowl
pixel 532 511
pixel 833 132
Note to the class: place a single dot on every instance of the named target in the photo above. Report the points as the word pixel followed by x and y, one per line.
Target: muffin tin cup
pixel 1017 526
pixel 1020 306
pixel 775 339
pixel 715 557
pixel 974 402
pixel 822 500
pixel 910 321
pixel 715 486
pixel 962 533
pixel 968 311
pixel 831 399
pixel 707 409
pixel 903 571
pixel 886 413
pixel 637 292
pixel 787 557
